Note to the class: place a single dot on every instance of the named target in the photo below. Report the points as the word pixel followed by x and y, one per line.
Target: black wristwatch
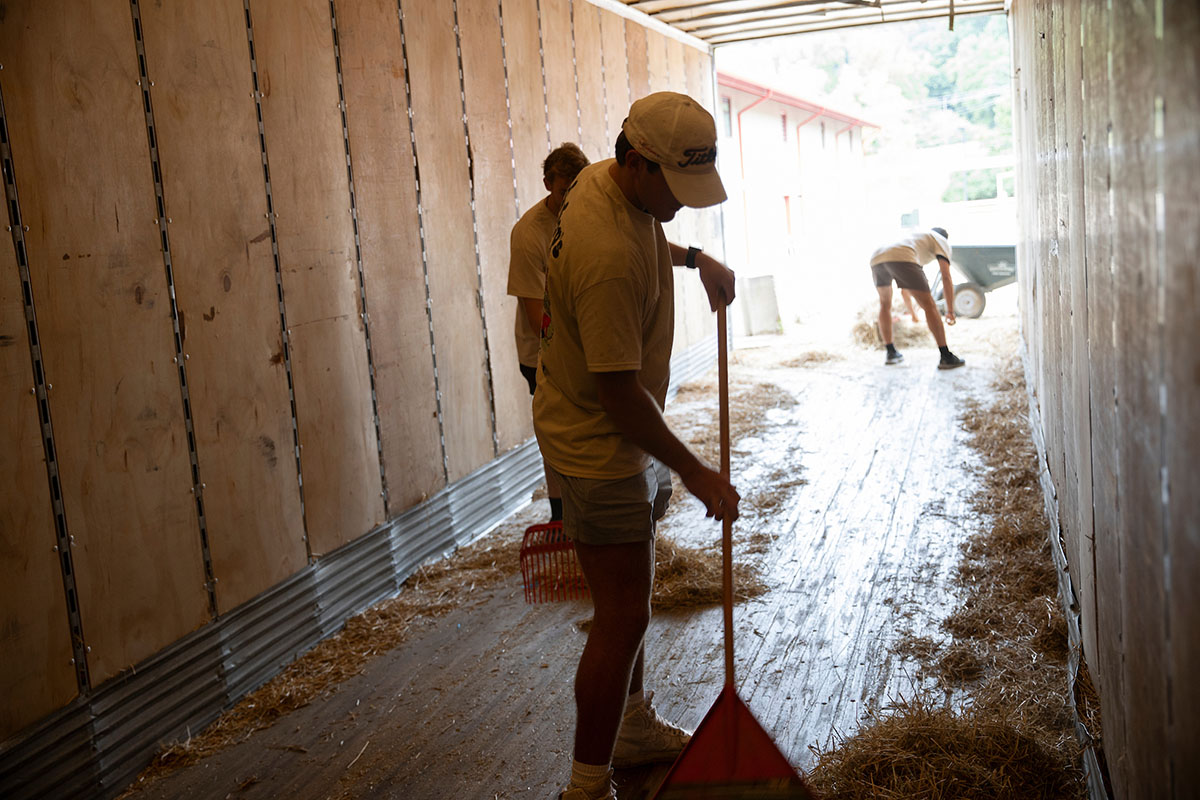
pixel 690 261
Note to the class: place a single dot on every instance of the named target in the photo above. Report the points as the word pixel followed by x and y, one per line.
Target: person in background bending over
pixel 529 247
pixel 597 412
pixel 902 262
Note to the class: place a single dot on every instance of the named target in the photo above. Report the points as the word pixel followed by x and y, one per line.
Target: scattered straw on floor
pixel 918 750
pixel 429 593
pixel 809 358
pixel 1013 734
pixel 687 577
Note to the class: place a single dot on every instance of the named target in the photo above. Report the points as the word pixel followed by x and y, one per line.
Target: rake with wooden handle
pixel 730 755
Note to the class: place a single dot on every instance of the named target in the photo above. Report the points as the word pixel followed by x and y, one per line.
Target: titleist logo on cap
pixel 697 156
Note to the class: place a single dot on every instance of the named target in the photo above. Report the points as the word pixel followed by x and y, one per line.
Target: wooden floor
pixel 479 705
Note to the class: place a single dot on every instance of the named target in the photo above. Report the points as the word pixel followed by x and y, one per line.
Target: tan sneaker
pixel 579 793
pixel 646 738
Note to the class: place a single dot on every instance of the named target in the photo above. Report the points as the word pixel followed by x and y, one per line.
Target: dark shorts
pixel 907 275
pixel 530 374
pixel 601 512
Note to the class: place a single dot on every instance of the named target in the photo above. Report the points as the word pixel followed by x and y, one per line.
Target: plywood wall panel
pixel 527 100
pixel 1049 265
pixel 78 132
pixel 637 60
pixel 226 292
pixel 495 209
pixel 656 59
pixel 616 74
pixel 449 246
pixel 311 194
pixel 36 671
pixel 698 78
pixel 1063 277
pixel 1080 452
pixel 1181 370
pixel 389 235
pixel 558 51
pixel 707 79
pixel 677 77
pixel 656 49
pixel 1106 659
pixel 589 72
pixel 1139 363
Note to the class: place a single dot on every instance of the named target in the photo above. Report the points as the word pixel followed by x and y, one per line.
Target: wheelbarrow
pixel 986 268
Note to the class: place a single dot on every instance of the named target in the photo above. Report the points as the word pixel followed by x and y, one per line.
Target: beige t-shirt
pixel 529 245
pixel 611 306
pixel 919 249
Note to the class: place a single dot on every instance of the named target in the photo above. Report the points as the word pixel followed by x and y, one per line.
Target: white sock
pixel 586 776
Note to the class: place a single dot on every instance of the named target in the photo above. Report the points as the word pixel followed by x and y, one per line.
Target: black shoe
pixel 950 361
pixel 894 357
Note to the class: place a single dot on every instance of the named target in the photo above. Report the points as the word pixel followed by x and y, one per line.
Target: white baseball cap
pixel 675 132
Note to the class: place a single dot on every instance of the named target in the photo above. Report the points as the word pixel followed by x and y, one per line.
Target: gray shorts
pixel 906 274
pixel 620 511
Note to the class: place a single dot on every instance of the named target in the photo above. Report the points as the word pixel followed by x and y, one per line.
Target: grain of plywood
pixel 589 71
pixel 1105 660
pixel 559 64
pixel 449 246
pixel 495 209
pixel 700 86
pixel 676 66
pixel 1064 318
pixel 527 100
pixel 1139 378
pixel 1083 564
pixel 385 188
pixel 1181 372
pixel 637 60
pixel 656 59
pixel 78 134
pixel 1049 262
pixel 311 195
pixel 698 78
pixel 656 49
pixel 227 296
pixel 616 74
pixel 37 674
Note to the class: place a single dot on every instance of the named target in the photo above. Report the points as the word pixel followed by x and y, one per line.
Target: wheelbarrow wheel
pixel 968 300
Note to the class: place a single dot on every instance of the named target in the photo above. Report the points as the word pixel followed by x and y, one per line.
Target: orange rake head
pixel 731 756
pixel 549 568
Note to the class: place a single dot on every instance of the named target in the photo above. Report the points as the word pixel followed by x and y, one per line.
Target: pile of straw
pixel 905 333
pixel 917 750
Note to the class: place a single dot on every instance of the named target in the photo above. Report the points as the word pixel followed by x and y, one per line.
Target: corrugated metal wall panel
pixel 354 577
pixel 177 690
pixel 54 759
pixel 261 637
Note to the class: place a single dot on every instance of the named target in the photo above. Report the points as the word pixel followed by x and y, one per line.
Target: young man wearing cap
pixel 902 262
pixel 602 383
pixel 529 247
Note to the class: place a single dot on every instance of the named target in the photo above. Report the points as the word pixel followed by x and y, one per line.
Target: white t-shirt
pixel 529 244
pixel 919 249
pixel 611 305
